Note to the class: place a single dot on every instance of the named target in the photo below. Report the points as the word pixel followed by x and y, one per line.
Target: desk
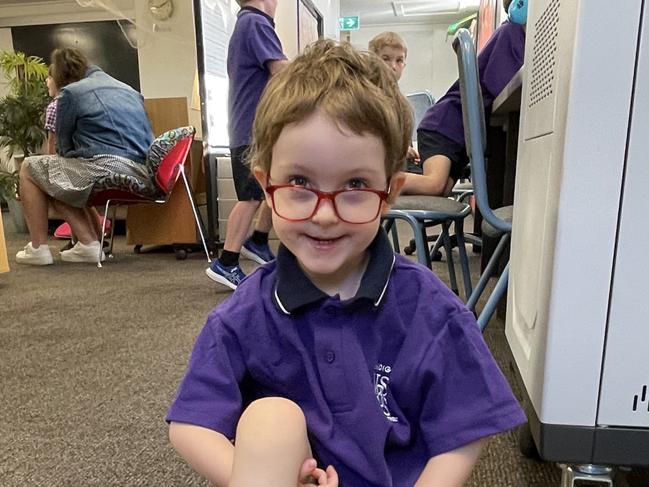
pixel 505 118
pixel 502 146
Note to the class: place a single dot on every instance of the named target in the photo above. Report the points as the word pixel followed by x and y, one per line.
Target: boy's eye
pixel 298 180
pixel 357 183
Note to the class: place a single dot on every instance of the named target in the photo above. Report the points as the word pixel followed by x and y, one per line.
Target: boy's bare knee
pixel 272 419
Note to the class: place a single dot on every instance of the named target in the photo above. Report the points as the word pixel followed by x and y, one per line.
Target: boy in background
pixel 254 56
pixel 440 135
pixel 340 350
pixel 392 49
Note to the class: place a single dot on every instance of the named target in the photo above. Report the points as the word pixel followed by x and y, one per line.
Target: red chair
pixel 166 163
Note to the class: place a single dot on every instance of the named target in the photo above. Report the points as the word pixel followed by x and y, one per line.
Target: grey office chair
pixel 419 101
pixel 496 223
pixel 422 212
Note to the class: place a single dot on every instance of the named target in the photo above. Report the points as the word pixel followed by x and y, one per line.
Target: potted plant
pixel 21 119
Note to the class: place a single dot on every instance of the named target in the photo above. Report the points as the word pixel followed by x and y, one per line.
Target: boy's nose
pixel 325 213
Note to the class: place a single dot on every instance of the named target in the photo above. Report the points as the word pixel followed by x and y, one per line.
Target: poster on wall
pixel 215 21
pixel 309 28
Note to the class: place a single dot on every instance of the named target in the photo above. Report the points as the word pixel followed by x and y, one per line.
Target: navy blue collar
pixel 257 11
pixel 294 290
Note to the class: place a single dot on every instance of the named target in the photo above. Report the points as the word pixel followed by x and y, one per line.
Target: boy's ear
pixel 262 178
pixel 397 181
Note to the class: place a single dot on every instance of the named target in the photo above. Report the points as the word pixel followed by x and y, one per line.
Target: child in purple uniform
pixel 440 135
pixel 340 363
pixel 254 56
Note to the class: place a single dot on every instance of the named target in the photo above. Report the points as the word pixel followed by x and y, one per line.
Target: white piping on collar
pixel 387 281
pixel 279 303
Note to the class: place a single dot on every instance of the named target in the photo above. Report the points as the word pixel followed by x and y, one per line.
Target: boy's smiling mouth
pixel 322 241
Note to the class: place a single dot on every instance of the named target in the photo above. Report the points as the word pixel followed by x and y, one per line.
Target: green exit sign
pixel 349 23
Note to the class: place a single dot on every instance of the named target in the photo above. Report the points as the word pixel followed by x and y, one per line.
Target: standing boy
pixel 339 350
pixel 254 55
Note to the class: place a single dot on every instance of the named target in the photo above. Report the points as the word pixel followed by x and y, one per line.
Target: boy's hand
pixel 413 155
pixel 310 474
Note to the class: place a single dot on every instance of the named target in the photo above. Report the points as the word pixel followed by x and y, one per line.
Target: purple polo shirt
pixel 386 380
pixel 498 62
pixel 253 43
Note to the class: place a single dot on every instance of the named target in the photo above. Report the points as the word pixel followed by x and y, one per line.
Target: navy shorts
pixel 245 184
pixel 431 143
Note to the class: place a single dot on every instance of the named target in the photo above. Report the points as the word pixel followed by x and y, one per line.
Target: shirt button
pixel 330 357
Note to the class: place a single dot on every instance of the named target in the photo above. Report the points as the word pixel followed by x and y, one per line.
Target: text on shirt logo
pixel 381 382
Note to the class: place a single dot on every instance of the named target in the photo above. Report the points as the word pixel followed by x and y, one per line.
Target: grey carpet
pixel 90 359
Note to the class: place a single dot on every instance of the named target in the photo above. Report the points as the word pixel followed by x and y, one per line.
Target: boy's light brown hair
pixel 390 39
pixel 356 89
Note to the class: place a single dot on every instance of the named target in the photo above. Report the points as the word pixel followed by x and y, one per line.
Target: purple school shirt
pixel 386 380
pixel 498 62
pixel 253 43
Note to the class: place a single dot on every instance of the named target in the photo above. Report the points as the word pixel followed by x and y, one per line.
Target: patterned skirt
pixel 73 180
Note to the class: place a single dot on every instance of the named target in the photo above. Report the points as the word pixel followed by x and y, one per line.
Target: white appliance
pixel 578 301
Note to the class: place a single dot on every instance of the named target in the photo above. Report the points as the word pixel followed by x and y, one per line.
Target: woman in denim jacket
pixel 101 129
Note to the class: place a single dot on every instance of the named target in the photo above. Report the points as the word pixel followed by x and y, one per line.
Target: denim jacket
pixel 101 115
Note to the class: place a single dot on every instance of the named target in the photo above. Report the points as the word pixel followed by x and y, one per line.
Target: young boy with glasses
pixel 340 363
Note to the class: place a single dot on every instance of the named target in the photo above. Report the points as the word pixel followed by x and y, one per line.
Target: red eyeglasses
pixel 297 203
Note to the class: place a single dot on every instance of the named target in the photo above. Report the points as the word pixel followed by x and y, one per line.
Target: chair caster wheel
pixel 436 257
pixel 181 254
pixel 409 249
pixel 137 249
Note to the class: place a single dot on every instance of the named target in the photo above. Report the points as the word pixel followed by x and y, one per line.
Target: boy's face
pixel 395 58
pixel 316 154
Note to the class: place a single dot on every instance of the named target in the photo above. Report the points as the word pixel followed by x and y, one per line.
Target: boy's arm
pixel 207 451
pixel 276 66
pixel 451 469
pixel 51 142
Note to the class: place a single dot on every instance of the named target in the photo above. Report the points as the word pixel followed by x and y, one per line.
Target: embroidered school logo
pixel 381 382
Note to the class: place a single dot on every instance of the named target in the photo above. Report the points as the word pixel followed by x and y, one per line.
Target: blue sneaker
pixel 258 253
pixel 230 276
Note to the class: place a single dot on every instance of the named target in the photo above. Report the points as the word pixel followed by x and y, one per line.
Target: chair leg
pixel 199 221
pixel 389 225
pixel 419 233
pixel 449 258
pixel 494 299
pixel 464 260
pixel 486 274
pixel 103 233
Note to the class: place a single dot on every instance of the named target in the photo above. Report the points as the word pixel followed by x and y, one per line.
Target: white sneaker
pixel 83 253
pixel 40 255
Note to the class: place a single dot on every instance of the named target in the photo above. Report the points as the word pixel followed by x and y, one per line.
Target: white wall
pixel 286 22
pixel 167 55
pixel 431 63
